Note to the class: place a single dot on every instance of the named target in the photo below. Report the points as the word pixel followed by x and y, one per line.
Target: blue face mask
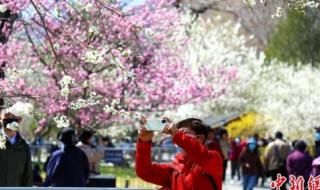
pixel 252 147
pixel 317 136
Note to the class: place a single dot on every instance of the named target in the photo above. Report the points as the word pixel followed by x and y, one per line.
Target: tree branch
pixel 31 41
pixel 47 35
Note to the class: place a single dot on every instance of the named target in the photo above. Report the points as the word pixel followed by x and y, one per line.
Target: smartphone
pixel 156 124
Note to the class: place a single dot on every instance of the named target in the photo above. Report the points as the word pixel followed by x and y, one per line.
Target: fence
pixel 119 157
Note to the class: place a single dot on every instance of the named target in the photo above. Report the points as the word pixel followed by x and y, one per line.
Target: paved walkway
pixel 236 185
pixel 228 186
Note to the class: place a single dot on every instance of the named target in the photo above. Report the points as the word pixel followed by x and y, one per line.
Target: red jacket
pixel 186 172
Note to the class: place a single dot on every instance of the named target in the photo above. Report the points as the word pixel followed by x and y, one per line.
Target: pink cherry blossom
pixel 54 38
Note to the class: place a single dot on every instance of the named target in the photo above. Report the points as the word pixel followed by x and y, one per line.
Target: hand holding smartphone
pixel 156 124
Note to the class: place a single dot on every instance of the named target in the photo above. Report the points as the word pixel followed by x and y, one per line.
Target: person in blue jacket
pixel 69 166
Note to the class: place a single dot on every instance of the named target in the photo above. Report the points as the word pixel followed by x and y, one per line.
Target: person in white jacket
pixel 94 153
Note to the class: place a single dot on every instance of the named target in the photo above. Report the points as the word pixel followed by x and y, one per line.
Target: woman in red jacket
pixel 195 167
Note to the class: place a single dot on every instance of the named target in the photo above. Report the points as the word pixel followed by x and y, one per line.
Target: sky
pixel 132 2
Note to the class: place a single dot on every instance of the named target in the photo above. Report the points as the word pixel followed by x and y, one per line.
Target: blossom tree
pixel 286 97
pixel 93 61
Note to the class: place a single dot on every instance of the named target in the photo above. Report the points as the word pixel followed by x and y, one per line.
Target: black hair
pixel 9 118
pixel 85 135
pixel 294 142
pixel 67 136
pixel 278 135
pixel 209 129
pixel 196 125
pixel 223 132
pixel 300 145
pixel 106 138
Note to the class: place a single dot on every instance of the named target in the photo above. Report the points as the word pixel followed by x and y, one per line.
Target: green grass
pixel 117 171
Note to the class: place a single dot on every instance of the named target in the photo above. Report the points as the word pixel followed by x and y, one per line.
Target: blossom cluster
pixel 64 84
pixel 61 121
pixel 81 103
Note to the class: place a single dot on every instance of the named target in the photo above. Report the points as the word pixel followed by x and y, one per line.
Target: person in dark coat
pixel 69 166
pixel 299 162
pixel 15 160
pixel 251 165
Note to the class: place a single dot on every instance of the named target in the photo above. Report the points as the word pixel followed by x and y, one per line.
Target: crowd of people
pixel 254 157
pixel 71 164
pixel 67 166
pixel 201 163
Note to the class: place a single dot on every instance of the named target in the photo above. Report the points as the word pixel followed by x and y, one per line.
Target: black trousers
pixel 235 169
pixel 225 163
pixel 283 172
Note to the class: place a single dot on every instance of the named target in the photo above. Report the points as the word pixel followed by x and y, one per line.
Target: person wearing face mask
pixel 195 167
pixel 15 159
pixel 249 160
pixel 94 153
pixel 317 141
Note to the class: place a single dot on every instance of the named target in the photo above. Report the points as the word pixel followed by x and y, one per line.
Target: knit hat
pixel 316 162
